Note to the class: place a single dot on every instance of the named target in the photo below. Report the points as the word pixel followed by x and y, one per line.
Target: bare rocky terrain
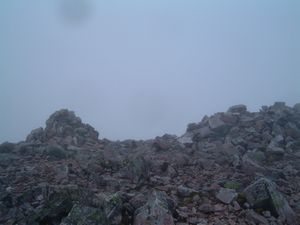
pixel 232 168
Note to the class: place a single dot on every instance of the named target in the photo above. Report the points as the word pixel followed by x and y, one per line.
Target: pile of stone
pixel 65 128
pixel 233 168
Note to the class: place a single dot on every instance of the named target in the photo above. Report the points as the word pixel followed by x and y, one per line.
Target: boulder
pixel 71 204
pixel 6 147
pixel 85 215
pixel 112 207
pixel 202 132
pixel 292 130
pixel 275 150
pixel 215 122
pixel 277 107
pixel 36 136
pixel 7 160
pixel 237 109
pixel 252 162
pixel 297 108
pixel 226 195
pixel 138 201
pixel 274 153
pixel 193 126
pixel 155 211
pixel 137 169
pixel 186 139
pixel 263 194
pixel 57 204
pixel 165 143
pixel 277 141
pixel 220 123
pixel 55 152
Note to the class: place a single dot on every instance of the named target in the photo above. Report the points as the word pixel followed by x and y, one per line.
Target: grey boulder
pixel 155 211
pixel 263 194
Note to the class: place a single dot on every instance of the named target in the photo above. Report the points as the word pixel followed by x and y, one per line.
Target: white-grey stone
pixel 226 195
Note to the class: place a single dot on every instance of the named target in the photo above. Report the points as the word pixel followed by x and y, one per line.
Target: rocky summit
pixel 232 168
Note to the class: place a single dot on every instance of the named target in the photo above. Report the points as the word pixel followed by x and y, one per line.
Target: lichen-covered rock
pixel 52 210
pixel 155 211
pixel 73 205
pixel 85 215
pixel 263 194
pixel 112 207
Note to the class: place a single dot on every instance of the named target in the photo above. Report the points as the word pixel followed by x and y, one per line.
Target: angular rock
pixel 186 139
pixel 237 109
pixel 164 143
pixel 36 136
pixel 251 163
pixel 278 140
pixel 274 153
pixel 85 215
pixel 277 107
pixel 138 169
pixel 156 211
pixel 138 201
pixel 7 159
pixel 54 208
pixel 55 152
pixel 203 132
pixel 292 130
pixel 263 194
pixel 216 122
pixel 226 195
pixel 297 107
pixel 6 147
pixel 112 207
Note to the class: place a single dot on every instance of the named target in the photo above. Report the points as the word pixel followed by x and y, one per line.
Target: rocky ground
pixel 231 168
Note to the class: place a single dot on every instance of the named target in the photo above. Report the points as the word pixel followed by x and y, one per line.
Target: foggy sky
pixel 138 69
